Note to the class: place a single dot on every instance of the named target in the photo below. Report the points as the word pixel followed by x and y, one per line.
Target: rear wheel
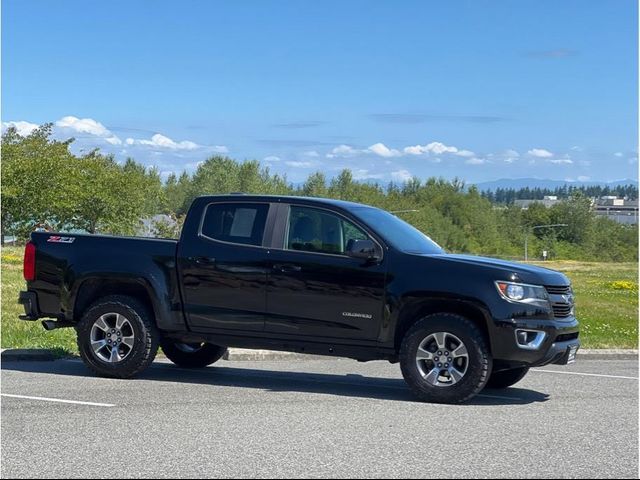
pixel 191 355
pixel 445 359
pixel 507 378
pixel 117 337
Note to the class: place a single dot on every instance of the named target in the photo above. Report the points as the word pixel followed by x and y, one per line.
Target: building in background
pixel 619 209
pixel 547 201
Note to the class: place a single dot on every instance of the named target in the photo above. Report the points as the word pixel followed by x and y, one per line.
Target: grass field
pixel 16 333
pixel 606 296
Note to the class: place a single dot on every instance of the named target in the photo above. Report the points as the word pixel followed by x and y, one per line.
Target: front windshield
pixel 397 232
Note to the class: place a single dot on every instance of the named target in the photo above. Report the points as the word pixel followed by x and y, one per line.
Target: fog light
pixel 530 339
pixel 522 337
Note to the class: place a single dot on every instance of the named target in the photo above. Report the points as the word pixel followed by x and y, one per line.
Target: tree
pixel 577 214
pixel 34 168
pixel 107 197
pixel 315 186
pixel 43 182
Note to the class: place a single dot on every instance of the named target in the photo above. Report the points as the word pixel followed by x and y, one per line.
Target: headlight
pixel 523 293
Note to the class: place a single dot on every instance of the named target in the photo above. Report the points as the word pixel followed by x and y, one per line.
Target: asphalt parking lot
pixel 315 418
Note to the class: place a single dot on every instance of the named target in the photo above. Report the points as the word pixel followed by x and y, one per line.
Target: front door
pixel 315 289
pixel 224 270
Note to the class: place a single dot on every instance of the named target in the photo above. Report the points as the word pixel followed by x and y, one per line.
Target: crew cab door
pixel 223 268
pixel 315 289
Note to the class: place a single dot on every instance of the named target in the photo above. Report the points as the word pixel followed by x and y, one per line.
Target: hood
pixel 518 272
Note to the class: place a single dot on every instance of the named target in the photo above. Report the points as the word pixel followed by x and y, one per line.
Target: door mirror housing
pixel 363 249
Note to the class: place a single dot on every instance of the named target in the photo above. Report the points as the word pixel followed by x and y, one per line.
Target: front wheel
pixel 506 378
pixel 191 355
pixel 445 359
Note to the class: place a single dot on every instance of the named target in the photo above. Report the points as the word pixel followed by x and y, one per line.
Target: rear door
pixel 315 289
pixel 224 269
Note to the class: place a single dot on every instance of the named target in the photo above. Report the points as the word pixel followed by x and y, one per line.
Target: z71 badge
pixel 57 239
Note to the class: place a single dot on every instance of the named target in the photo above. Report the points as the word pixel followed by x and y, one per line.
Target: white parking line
pixel 57 400
pixel 585 374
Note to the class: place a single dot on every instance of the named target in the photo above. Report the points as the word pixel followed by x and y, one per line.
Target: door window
pixel 236 222
pixel 314 230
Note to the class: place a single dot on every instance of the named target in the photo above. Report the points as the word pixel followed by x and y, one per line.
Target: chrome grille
pixel 558 290
pixel 561 297
pixel 562 310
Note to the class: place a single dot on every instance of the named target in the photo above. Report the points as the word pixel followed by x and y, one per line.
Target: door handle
pixel 205 261
pixel 287 268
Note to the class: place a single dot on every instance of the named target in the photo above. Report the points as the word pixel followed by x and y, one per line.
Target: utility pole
pixel 526 236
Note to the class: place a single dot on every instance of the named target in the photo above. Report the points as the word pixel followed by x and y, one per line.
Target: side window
pixel 313 230
pixel 236 222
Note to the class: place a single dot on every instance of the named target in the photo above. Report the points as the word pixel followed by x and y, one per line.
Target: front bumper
pixel 29 300
pixel 559 346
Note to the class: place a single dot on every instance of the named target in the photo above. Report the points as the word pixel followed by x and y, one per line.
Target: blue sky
pixel 475 89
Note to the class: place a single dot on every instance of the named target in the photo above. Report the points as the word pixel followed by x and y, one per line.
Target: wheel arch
pixel 95 288
pixel 418 308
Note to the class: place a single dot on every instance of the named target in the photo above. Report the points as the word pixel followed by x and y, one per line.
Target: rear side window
pixel 236 222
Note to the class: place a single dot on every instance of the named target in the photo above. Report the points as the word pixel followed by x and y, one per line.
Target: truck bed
pixel 65 263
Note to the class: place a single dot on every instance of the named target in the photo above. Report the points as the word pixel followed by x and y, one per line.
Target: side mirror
pixel 364 249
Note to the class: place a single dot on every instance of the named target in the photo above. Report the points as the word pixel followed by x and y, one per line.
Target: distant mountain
pixel 518 183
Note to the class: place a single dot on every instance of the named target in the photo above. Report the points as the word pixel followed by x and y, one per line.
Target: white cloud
pixel 511 153
pixel 311 153
pixel 465 153
pixel 343 151
pixel 23 128
pixel 509 156
pixel 540 153
pixel 583 178
pixel 476 161
pixel 296 164
pixel 383 151
pixel 437 148
pixel 561 161
pixel 271 158
pixel 364 174
pixel 160 141
pixel 401 175
pixel 89 126
pixel 619 154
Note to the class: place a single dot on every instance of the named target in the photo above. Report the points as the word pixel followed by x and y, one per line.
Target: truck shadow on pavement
pixel 349 385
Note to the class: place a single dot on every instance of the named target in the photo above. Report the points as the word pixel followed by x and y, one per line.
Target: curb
pixel 28 355
pixel 241 354
pixel 608 354
pixel 247 355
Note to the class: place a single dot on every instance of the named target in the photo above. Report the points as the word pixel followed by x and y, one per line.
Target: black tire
pixel 145 341
pixel 478 364
pixel 506 378
pixel 188 355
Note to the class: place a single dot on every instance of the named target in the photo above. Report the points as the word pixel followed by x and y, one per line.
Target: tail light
pixel 29 265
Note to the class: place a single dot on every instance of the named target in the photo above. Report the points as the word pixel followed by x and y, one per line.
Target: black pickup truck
pixel 306 275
